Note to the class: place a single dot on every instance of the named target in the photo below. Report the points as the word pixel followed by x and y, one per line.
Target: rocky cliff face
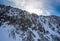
pixel 20 25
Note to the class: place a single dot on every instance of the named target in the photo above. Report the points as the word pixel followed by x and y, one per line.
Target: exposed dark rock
pixel 30 26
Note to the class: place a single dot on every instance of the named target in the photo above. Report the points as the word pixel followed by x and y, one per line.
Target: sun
pixel 32 9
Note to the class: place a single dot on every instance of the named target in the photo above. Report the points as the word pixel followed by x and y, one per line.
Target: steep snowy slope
pixel 20 25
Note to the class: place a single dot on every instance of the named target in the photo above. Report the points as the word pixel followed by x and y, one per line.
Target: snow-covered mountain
pixel 20 25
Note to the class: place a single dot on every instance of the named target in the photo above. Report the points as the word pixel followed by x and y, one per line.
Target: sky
pixel 39 7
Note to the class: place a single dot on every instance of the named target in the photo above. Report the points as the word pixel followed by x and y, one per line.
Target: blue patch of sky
pixel 7 2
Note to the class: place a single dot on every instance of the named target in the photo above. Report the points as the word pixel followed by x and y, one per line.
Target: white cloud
pixel 32 6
